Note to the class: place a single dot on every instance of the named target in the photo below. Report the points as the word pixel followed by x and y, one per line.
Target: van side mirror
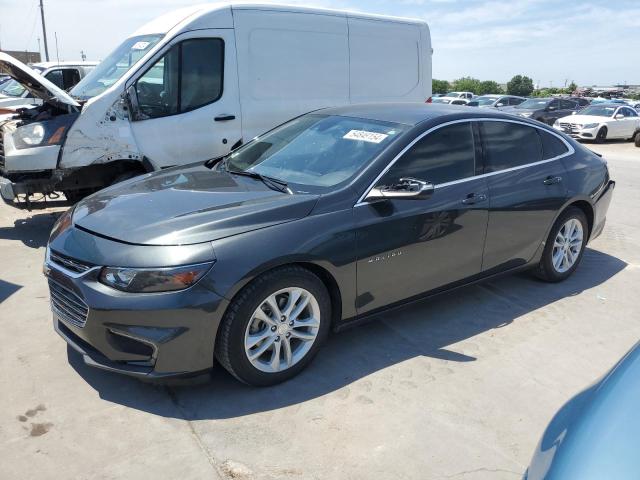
pixel 404 189
pixel 132 102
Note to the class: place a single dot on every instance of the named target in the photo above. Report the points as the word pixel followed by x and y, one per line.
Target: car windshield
pixel 315 152
pixel 533 104
pixel 440 100
pixel 599 111
pixel 485 100
pixel 112 68
pixel 452 94
pixel 12 88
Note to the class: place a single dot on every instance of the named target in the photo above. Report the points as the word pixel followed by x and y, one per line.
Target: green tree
pixel 520 85
pixel 440 86
pixel 467 84
pixel 489 87
pixel 572 87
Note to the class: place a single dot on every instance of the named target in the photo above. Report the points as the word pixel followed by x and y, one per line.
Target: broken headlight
pixel 48 132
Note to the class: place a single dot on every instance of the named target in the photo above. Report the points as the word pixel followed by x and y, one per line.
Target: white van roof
pixel 188 18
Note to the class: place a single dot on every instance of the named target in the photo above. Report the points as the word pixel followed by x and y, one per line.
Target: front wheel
pixel 601 136
pixel 564 247
pixel 637 138
pixel 274 326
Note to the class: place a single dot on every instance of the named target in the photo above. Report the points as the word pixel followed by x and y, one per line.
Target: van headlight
pixel 30 135
pixel 149 280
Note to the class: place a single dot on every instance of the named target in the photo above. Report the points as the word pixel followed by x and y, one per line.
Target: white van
pixel 195 83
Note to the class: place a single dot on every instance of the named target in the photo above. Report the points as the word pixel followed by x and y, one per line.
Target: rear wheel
pixel 637 138
pixel 564 247
pixel 274 327
pixel 601 136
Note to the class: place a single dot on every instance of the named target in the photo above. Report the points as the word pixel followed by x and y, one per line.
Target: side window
pixel 444 155
pixel 71 76
pixel 554 104
pixel 56 77
pixel 188 76
pixel 516 101
pixel 567 105
pixel 509 145
pixel 631 112
pixel 552 146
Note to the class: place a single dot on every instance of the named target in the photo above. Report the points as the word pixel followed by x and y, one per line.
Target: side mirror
pixel 405 189
pixel 500 104
pixel 132 102
pixel 551 109
pixel 574 113
pixel 619 116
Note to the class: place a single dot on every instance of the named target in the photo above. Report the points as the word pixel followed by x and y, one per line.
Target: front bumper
pixel 145 335
pixel 575 132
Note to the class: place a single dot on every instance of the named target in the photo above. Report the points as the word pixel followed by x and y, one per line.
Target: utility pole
pixel 55 34
pixel 44 33
pixel 83 56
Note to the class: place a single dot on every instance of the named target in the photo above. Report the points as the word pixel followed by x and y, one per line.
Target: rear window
pixel 552 146
pixel 509 145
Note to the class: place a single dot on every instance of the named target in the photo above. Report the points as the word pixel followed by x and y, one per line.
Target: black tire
pixel 601 136
pixel 545 269
pixel 637 139
pixel 229 348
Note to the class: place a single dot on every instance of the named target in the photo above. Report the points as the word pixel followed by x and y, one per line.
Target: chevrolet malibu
pixel 332 218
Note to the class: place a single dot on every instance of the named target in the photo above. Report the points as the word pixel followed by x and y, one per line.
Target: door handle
pixel 224 117
pixel 552 180
pixel 473 198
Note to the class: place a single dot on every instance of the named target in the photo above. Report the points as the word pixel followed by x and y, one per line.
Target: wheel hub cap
pixel 567 245
pixel 282 329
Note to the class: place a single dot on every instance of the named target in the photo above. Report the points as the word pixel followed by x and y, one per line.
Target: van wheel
pixel 564 247
pixel 274 326
pixel 601 136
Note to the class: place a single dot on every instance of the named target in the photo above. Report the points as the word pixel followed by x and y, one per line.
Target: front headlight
pixel 63 222
pixel 149 280
pixel 590 125
pixel 30 135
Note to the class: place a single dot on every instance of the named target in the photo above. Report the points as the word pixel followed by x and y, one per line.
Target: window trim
pixel 570 151
pixel 160 56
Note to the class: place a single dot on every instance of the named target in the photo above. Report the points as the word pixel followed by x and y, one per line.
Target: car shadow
pixel 424 329
pixel 32 231
pixel 7 289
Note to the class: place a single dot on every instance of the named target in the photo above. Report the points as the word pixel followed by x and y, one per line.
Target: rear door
pixel 409 246
pixel 629 123
pixel 187 105
pixel 527 186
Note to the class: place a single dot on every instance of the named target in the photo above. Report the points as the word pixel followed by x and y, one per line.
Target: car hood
pixel 187 205
pixel 584 119
pixel 35 83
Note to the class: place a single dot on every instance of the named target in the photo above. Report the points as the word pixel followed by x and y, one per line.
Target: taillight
pixel 428 100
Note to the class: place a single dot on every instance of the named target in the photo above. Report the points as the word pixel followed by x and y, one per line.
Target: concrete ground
pixel 460 387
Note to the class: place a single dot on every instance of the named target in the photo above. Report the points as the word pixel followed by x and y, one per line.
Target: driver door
pixel 408 246
pixel 186 103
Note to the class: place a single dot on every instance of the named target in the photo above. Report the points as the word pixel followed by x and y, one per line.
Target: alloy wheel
pixel 567 245
pixel 282 329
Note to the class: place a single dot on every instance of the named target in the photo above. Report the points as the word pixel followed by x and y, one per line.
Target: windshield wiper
pixel 273 183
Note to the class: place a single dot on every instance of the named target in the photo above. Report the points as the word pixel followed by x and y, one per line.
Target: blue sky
pixel 590 42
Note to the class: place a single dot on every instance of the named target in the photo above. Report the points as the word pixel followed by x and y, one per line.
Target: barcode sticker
pixel 140 45
pixel 365 136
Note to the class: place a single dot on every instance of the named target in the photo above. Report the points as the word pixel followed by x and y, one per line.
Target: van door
pixel 186 103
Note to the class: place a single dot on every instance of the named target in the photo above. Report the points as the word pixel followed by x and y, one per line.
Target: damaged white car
pixel 194 83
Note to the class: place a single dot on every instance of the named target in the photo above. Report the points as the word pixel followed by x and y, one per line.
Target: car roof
pixel 409 113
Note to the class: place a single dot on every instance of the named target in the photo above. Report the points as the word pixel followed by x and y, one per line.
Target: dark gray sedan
pixel 327 220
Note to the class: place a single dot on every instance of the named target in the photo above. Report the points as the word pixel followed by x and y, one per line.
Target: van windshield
pixel 112 68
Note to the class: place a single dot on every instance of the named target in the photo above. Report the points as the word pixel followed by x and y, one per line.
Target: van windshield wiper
pixel 273 183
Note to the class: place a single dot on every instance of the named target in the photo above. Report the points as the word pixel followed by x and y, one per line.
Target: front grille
pixel 67 305
pixel 69 263
pixel 569 127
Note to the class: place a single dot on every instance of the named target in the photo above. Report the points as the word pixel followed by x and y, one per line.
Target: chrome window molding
pixel 570 151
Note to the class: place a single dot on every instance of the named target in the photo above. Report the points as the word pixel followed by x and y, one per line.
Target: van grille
pixel 69 263
pixel 67 305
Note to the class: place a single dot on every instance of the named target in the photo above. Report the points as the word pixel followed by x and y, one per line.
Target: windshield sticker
pixel 140 45
pixel 365 136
